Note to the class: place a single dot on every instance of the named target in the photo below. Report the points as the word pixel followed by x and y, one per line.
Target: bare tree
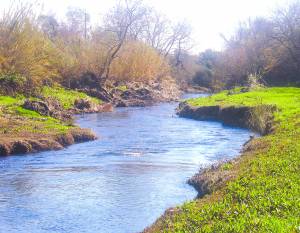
pixel 118 23
pixel 182 36
pixel 164 36
pixel 156 29
pixel 286 23
pixel 49 25
pixel 78 22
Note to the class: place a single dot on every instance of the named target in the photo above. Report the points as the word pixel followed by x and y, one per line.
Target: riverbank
pixel 132 94
pixel 33 124
pixel 45 122
pixel 129 156
pixel 260 189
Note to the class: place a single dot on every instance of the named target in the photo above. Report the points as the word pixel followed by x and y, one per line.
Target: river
pixel 120 183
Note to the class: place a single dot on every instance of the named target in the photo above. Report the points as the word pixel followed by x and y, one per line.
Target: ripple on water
pixel 120 183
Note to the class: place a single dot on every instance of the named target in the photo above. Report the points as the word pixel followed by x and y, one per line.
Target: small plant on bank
pixel 261 118
pixel 254 81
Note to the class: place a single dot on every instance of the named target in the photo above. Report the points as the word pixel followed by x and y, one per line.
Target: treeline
pixel 265 49
pixel 132 43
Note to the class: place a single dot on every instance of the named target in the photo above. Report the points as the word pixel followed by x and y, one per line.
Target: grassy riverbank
pixel 23 130
pixel 67 97
pixel 262 192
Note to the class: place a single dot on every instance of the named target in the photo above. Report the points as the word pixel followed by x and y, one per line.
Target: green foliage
pixel 265 195
pixel 7 100
pixel 12 79
pixel 66 97
pixel 12 84
pixel 203 77
pixel 14 119
pixel 122 88
pixel 227 166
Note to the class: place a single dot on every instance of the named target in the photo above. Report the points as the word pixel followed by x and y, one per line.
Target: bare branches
pixel 131 34
pixel 164 36
pixel 286 24
pixel 118 22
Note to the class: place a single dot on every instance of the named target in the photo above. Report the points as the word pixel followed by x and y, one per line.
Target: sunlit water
pixel 120 183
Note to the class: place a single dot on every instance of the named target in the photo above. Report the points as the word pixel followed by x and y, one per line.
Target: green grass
pixel 287 99
pixel 67 97
pixel 264 196
pixel 27 113
pixel 122 88
pixel 8 101
pixel 17 120
pixel 40 124
pixel 20 120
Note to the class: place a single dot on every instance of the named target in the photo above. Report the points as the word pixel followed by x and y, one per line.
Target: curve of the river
pixel 118 184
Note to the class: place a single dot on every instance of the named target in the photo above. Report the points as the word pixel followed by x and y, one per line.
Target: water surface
pixel 120 183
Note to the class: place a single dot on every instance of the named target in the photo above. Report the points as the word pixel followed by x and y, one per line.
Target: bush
pixel 48 52
pixel 203 78
pixel 139 62
pixel 13 84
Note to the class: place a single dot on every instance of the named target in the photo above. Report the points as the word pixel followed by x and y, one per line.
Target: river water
pixel 120 183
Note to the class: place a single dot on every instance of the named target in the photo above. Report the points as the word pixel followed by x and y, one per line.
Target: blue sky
pixel 208 18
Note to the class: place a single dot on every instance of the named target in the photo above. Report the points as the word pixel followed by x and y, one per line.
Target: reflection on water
pixel 120 183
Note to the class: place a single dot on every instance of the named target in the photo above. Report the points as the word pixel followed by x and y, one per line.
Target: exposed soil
pixel 31 143
pixel 130 94
pixel 259 118
pixel 210 180
pixel 22 135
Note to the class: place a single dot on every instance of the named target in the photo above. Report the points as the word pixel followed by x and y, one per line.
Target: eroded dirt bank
pixel 211 179
pixel 29 126
pixel 31 143
pixel 45 122
pixel 258 118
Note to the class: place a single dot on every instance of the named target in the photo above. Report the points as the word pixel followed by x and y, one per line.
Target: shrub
pixel 13 84
pixel 139 62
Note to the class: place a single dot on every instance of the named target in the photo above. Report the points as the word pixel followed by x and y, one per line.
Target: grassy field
pixel 17 122
pixel 264 195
